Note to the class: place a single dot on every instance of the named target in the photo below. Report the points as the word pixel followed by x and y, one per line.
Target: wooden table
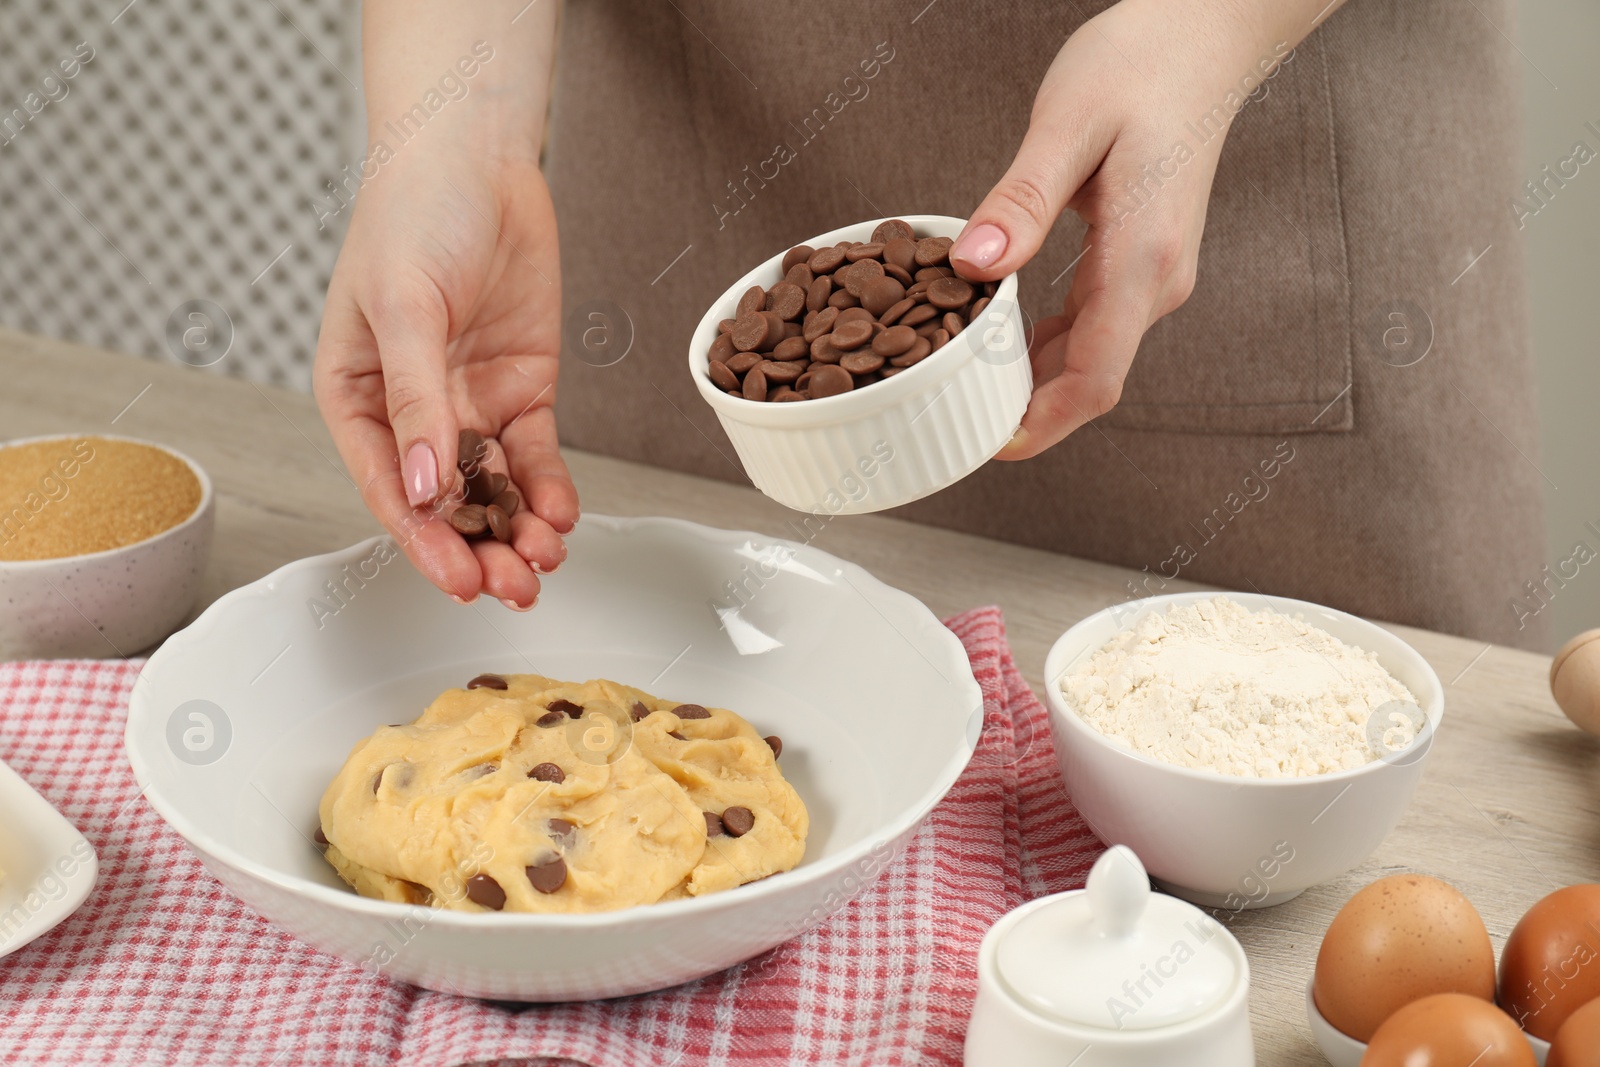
pixel 1508 809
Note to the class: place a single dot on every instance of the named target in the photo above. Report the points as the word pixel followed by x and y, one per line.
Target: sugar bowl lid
pixel 1117 956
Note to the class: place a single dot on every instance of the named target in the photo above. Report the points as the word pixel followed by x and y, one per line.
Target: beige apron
pixel 1270 436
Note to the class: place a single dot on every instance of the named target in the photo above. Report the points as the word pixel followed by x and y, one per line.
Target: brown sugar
pixel 74 495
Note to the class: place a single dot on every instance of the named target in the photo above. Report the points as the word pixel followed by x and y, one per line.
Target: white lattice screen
pixel 161 152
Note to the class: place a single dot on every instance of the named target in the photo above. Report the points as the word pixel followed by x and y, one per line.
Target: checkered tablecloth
pixel 162 966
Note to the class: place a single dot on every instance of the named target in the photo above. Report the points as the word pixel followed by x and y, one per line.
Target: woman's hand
pixel 444 314
pixel 1119 135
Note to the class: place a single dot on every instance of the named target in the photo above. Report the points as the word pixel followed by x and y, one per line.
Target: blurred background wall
pixel 184 157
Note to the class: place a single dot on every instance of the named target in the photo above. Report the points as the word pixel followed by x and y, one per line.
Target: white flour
pixel 1254 694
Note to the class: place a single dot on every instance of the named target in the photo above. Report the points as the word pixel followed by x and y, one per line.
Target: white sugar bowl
pixel 1114 974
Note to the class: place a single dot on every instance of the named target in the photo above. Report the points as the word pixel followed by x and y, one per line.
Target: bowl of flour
pixel 1247 747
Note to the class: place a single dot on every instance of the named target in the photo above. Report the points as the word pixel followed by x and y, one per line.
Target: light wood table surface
pixel 1508 809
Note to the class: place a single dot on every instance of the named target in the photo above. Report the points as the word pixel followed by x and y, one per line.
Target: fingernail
pixel 514 606
pixel 982 246
pixel 465 600
pixel 421 474
pixel 1014 445
pixel 563 550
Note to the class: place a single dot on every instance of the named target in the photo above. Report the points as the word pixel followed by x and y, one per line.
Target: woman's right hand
pixel 443 313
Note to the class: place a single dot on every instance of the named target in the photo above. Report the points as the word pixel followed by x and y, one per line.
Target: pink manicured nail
pixel 421 474
pixel 982 246
pixel 514 606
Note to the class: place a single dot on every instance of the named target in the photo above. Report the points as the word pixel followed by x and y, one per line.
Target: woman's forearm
pixel 480 70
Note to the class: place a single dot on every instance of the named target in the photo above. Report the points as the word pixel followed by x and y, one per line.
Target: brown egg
pixel 1550 966
pixel 1575 680
pixel 1577 1043
pixel 1449 1030
pixel 1400 939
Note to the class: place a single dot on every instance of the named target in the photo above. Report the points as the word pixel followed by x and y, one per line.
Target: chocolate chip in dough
pixel 548 875
pixel 487 681
pixel 738 821
pixel 562 830
pixel 691 711
pixel 482 770
pixel 639 710
pixel 676 735
pixel 713 824
pixel 563 704
pixel 776 744
pixel 548 772
pixel 549 719
pixel 470 520
pixel 485 891
pixel 319 837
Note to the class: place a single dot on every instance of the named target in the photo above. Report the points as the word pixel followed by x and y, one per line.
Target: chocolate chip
pixel 940 338
pixel 797 254
pixel 691 711
pixel 780 374
pixel 722 377
pixel 776 744
pixel 948 294
pixel 488 681
pixel 469 520
pixel 548 875
pixel 499 523
pixel 825 260
pixel 549 719
pixel 722 349
pixel 818 292
pixel 952 323
pixel 480 487
pixel 819 324
pixel 790 349
pixel 881 294
pixel 675 734
pixel 830 381
pixel 799 275
pixel 508 502
pixel 755 384
pixel 892 316
pixel 859 363
pixel 918 315
pixel 858 274
pixel 319 837
pixel 843 298
pixel 713 824
pixel 485 891
pixel 916 354
pixel 563 704
pixel 786 301
pixel 894 340
pixel 548 772
pixel 737 821
pixel 933 251
pixel 639 710
pixel 869 250
pixel 562 830
pixel 748 332
pixel 978 308
pixel 743 361
pixel 892 229
pixel 852 334
pixel 471 448
pixel 753 300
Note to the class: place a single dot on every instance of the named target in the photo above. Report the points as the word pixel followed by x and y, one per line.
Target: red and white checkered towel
pixel 162 966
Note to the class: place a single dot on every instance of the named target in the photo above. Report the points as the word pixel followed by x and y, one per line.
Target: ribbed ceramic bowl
pixel 239 722
pixel 1228 842
pixel 113 603
pixel 894 441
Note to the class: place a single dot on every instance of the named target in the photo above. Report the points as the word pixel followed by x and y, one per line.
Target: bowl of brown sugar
pixel 103 545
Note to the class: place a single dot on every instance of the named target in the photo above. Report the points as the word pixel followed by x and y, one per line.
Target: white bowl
pixel 48 866
pixel 894 441
pixel 239 722
pixel 1342 1050
pixel 113 603
pixel 1219 840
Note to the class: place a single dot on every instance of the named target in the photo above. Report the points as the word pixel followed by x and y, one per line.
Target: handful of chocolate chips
pixel 490 502
pixel 845 316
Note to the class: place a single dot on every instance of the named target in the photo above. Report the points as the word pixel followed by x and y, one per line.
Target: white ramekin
pixel 894 441
pixel 118 602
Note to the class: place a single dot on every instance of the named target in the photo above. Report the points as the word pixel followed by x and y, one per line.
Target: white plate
pixel 874 699
pixel 49 866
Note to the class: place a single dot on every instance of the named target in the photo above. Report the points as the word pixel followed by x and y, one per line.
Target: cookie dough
pixel 523 793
